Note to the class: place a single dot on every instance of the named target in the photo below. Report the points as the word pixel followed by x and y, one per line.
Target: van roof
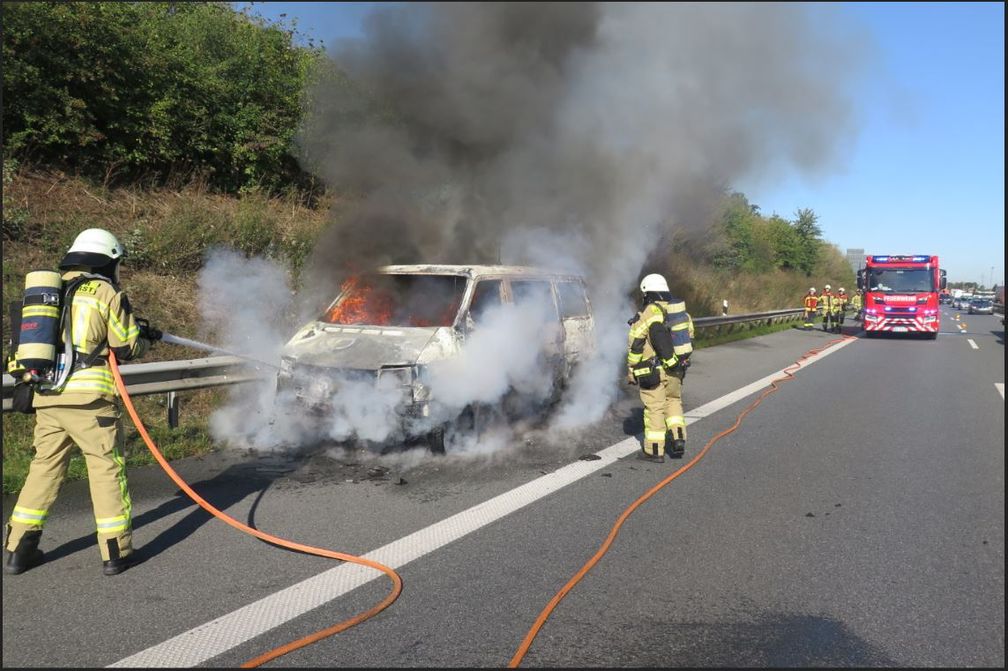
pixel 475 270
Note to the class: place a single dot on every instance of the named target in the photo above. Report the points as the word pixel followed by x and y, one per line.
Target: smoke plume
pixel 567 135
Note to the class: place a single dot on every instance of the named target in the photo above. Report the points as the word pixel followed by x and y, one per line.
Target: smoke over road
pixel 569 135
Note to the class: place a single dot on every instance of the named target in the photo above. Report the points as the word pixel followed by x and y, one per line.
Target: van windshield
pixel 909 280
pixel 397 300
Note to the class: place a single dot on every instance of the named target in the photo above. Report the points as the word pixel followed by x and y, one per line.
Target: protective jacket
pixel 649 339
pixel 856 301
pixel 843 299
pixel 101 320
pixel 828 303
pixel 811 302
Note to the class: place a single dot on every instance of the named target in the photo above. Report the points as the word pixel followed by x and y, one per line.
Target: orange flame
pixel 361 304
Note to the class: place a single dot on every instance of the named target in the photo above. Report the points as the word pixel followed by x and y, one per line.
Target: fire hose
pixel 396 579
pixel 274 540
pixel 548 610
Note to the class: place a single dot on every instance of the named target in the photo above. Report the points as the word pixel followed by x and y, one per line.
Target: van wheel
pixel 472 421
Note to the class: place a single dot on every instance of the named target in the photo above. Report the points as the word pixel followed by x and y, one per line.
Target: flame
pixel 361 304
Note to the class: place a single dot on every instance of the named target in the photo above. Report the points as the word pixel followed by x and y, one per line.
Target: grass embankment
pixel 167 233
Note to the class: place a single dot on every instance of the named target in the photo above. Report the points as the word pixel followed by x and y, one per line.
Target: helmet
pixel 811 290
pixel 93 248
pixel 827 286
pixel 653 282
pixel 841 288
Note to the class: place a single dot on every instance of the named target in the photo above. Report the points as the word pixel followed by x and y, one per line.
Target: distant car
pixel 981 306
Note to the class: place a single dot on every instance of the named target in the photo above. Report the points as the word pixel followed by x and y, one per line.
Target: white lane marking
pixel 972 344
pixel 220 635
pixel 1000 388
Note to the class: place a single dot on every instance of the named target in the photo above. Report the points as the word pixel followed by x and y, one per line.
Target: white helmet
pixel 811 290
pixel 827 286
pixel 653 282
pixel 93 248
pixel 841 288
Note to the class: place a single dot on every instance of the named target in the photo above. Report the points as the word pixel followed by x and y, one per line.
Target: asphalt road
pixel 856 518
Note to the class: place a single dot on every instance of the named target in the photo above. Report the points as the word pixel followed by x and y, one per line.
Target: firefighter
pixel 811 300
pixel 843 300
pixel 84 411
pixel 857 302
pixel 826 301
pixel 660 328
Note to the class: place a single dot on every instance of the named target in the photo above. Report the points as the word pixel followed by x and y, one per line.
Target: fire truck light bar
pixel 919 258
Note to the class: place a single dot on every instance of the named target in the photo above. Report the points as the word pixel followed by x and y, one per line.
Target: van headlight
pixel 399 376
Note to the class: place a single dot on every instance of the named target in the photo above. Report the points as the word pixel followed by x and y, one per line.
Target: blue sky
pixel 925 174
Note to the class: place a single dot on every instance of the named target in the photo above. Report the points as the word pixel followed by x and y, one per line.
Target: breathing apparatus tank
pixel 39 335
pixel 677 321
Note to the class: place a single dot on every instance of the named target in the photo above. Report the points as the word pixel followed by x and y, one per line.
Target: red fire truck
pixel 901 294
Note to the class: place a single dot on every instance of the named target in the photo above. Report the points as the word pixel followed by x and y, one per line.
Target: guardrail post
pixel 173 404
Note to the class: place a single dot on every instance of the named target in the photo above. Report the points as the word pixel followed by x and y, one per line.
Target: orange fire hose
pixel 321 552
pixel 548 610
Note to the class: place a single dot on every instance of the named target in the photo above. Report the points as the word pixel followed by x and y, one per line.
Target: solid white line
pixel 972 344
pixel 1000 388
pixel 218 636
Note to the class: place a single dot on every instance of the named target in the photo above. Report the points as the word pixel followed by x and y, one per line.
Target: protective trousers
pixel 663 412
pixel 94 428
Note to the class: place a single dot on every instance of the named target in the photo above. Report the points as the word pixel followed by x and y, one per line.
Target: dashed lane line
pixel 972 344
pixel 208 640
pixel 1000 387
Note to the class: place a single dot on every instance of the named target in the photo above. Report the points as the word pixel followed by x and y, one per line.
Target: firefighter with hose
pixel 68 384
pixel 660 343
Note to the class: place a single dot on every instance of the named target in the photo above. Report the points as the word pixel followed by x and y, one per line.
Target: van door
pixel 576 316
pixel 487 296
pixel 539 295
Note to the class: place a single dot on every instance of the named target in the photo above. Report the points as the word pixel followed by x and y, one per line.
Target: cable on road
pixel 548 610
pixel 274 540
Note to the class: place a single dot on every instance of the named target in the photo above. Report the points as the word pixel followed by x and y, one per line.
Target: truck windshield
pixel 908 280
pixel 397 300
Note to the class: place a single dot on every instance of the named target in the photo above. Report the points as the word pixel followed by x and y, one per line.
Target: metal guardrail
pixel 170 377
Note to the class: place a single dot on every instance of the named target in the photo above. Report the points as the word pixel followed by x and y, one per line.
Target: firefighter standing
pixel 84 411
pixel 857 302
pixel 827 303
pixel 657 331
pixel 811 301
pixel 843 299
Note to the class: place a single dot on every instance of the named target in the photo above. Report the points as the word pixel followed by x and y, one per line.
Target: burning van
pixel 429 344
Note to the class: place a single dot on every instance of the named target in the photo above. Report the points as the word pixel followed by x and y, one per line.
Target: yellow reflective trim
pixel 641 371
pixel 635 357
pixel 676 420
pixel 40 311
pixel 29 516
pixel 90 386
pixel 654 435
pixel 680 327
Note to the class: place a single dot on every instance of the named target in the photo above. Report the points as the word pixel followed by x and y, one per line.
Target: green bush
pixel 154 91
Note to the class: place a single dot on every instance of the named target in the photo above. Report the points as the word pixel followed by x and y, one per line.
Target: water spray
pixel 195 344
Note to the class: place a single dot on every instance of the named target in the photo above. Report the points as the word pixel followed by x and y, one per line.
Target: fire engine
pixel 901 294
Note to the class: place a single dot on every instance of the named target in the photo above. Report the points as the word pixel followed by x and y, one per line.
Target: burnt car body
pixel 387 329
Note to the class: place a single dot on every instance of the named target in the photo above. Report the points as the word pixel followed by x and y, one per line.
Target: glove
pixel 148 332
pixel 630 378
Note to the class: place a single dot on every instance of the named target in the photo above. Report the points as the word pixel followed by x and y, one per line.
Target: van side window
pixel 572 300
pixel 486 295
pixel 534 292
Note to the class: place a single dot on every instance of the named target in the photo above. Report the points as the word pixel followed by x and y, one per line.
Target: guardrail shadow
pixel 222 491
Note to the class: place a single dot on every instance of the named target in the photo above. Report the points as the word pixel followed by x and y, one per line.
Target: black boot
pixel 678 443
pixel 116 563
pixel 26 555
